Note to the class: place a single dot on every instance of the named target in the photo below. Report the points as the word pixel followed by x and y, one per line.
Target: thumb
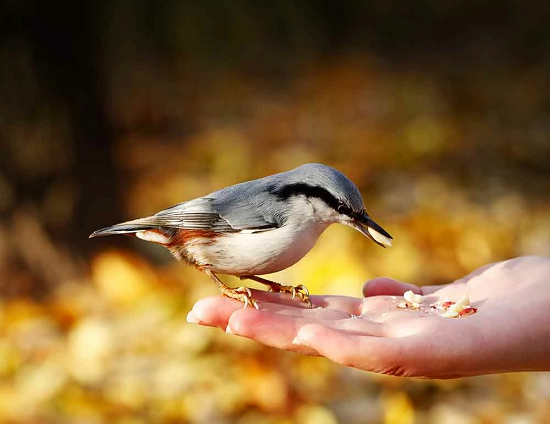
pixel 387 286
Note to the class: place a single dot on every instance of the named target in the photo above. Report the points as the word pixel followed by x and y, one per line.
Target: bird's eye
pixel 341 208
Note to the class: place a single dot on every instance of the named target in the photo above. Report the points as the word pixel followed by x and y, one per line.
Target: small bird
pixel 257 227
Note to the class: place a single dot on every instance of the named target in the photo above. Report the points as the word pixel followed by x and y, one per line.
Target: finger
pixel 426 290
pixel 216 312
pixel 377 354
pixel 262 296
pixel 269 328
pixel 348 304
pixel 315 314
pixel 387 286
pixel 213 311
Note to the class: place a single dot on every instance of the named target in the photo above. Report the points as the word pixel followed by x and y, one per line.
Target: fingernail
pixel 299 342
pixel 192 318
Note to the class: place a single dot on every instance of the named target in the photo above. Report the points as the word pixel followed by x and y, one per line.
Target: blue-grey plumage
pixel 257 227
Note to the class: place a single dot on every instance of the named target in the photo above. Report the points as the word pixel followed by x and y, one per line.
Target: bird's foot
pixel 299 291
pixel 242 294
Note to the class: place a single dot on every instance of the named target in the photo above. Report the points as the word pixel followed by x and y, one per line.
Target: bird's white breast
pixel 262 252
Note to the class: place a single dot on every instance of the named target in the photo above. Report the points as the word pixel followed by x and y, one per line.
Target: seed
pixel 456 307
pixel 450 314
pixel 412 297
pixel 446 305
pixel 408 295
pixel 467 311
pixel 463 301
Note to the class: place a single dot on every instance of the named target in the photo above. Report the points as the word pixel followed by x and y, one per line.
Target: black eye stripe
pixel 283 193
pixel 287 191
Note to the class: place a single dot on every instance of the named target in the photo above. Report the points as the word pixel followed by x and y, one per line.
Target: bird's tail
pixel 128 227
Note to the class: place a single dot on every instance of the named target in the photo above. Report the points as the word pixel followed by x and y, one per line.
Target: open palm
pixel 510 331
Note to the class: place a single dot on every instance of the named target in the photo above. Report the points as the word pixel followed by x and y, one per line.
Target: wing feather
pixel 211 213
pixel 241 207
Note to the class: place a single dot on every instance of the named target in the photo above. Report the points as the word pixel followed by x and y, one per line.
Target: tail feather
pixel 128 227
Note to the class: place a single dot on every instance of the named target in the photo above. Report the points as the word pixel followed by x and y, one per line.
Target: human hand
pixel 510 331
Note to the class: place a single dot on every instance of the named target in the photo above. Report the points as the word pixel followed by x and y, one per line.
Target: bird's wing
pixel 243 207
pixel 217 213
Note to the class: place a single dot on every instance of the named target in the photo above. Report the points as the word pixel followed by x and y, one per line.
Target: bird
pixel 257 227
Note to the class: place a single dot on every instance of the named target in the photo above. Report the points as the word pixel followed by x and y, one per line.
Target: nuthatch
pixel 257 227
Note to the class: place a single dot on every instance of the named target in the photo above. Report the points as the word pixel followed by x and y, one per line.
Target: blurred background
pixel 438 110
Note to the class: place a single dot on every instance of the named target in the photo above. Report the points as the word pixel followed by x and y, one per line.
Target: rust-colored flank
pixel 183 237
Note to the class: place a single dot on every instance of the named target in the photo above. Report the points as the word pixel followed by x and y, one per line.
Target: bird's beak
pixel 365 225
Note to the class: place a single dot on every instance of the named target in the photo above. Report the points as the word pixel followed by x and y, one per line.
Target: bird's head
pixel 334 199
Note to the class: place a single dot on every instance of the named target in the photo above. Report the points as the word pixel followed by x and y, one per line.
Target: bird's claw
pixel 246 297
pixel 242 294
pixel 300 291
pixel 303 293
